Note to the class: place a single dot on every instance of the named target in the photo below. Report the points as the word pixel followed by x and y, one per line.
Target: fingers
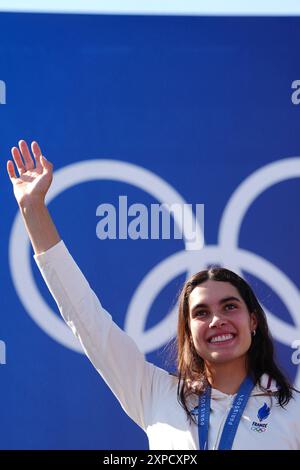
pixel 18 160
pixel 29 163
pixel 35 148
pixel 11 170
pixel 41 161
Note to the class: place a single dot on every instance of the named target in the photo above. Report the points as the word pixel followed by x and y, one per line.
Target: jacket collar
pixel 268 386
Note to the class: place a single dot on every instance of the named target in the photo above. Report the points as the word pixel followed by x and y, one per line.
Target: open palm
pixel 35 174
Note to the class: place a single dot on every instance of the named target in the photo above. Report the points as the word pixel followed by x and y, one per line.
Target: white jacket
pixel 147 393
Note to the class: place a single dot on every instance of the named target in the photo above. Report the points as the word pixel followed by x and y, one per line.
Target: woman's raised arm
pixel 30 189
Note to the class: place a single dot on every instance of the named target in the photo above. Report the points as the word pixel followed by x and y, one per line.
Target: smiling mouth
pixel 222 339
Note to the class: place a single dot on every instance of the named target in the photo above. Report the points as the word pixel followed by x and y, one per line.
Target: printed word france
pixel 138 222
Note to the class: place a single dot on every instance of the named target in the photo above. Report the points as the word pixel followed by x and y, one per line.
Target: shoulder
pixel 163 381
pixel 267 386
pixel 295 401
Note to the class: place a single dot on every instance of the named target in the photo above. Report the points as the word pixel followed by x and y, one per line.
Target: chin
pixel 223 358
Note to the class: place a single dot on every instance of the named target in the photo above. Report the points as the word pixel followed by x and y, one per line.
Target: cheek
pixel 243 325
pixel 198 331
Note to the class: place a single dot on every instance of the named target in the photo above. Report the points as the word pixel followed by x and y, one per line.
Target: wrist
pixel 31 204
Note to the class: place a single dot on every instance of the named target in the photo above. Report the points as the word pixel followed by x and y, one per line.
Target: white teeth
pixel 221 338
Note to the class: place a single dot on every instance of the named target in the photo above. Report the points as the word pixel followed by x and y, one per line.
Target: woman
pixel 228 393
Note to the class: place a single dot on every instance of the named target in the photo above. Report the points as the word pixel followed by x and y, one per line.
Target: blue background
pixel 203 103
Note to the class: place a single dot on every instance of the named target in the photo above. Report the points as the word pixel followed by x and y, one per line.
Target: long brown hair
pixel 260 356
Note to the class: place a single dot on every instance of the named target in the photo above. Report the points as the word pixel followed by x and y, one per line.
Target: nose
pixel 217 321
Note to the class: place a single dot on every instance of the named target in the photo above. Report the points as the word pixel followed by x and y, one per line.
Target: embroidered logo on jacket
pixel 262 414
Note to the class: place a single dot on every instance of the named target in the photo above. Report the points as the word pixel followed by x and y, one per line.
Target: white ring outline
pixel 229 230
pixel 229 256
pixel 65 178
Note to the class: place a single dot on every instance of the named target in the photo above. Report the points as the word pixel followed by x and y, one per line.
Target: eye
pixel 231 306
pixel 200 313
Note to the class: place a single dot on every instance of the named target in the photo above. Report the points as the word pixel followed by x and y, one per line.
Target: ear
pixel 253 321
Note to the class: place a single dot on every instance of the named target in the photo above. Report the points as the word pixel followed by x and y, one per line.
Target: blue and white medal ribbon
pixel 233 418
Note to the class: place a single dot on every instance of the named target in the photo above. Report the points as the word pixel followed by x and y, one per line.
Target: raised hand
pixel 35 174
pixel 30 188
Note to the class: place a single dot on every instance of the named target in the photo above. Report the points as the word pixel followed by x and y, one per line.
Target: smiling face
pixel 220 322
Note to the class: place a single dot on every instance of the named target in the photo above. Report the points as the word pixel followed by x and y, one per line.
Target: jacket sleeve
pixel 113 353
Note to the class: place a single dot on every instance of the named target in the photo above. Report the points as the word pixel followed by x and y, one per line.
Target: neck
pixel 227 377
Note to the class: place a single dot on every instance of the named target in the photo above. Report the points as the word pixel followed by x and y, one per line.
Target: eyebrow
pixel 222 301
